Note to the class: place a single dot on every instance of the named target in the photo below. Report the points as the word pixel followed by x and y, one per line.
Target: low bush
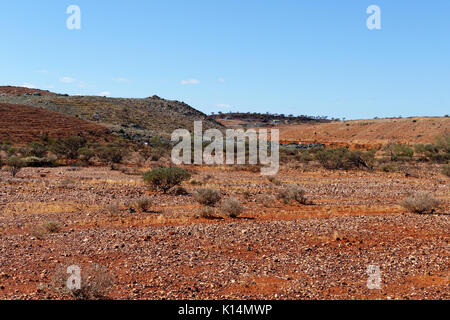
pixel 51 226
pixel 293 193
pixel 231 207
pixel 165 178
pixel 342 158
pixel 39 162
pixel 15 165
pixel 68 147
pixel 266 200
pixel 96 281
pixel 207 196
pixel 111 153
pixel 420 202
pixel 142 204
pixel 389 167
pixel 37 149
pixel 206 212
pixel 446 170
pixel 400 152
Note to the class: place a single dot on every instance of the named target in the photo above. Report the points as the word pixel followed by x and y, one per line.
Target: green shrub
pixel 86 154
pixel 232 207
pixel 342 158
pixel 420 202
pixel 36 149
pixel 400 152
pixel 111 154
pixel 39 162
pixel 207 196
pixel 68 147
pixel 165 178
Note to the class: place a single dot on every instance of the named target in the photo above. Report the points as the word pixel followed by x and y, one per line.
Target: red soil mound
pixel 22 124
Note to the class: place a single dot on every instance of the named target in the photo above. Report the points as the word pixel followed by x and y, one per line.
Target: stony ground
pixel 273 251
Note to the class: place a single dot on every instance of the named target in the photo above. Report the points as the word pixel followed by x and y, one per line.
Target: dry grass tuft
pixel 421 202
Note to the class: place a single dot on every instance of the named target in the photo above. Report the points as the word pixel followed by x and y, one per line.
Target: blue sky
pixel 300 57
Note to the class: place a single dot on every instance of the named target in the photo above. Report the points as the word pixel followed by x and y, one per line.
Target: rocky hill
pixel 136 119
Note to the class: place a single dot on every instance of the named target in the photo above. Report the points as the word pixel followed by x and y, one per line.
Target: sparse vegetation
pixel 206 212
pixel 113 209
pixel 446 170
pixel 293 193
pixel 231 207
pixel 111 153
pixel 142 204
pixel 274 180
pixel 342 158
pixel 207 196
pixel 96 282
pixel 15 165
pixel 165 178
pixel 421 202
pixel 51 226
pixel 68 147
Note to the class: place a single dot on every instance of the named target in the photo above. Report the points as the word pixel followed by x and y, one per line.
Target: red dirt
pixel 362 134
pixel 22 90
pixel 22 124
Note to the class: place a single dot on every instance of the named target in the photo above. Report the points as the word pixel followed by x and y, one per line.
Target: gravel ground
pixel 282 251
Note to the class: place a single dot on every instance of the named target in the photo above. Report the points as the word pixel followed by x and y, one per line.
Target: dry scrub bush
pixel 67 184
pixel 39 231
pixel 446 170
pixel 113 209
pixel 274 180
pixel 95 283
pixel 165 178
pixel 142 204
pixel 420 202
pixel 52 226
pixel 266 200
pixel 293 193
pixel 15 165
pixel 207 196
pixel 206 212
pixel 232 207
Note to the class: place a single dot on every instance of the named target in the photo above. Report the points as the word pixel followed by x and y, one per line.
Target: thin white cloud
pixel 221 80
pixel 190 81
pixel 104 93
pixel 120 80
pixel 82 84
pixel 29 85
pixel 67 80
pixel 43 71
